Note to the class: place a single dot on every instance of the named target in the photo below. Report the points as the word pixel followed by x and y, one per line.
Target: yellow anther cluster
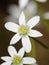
pixel 16 59
pixel 23 30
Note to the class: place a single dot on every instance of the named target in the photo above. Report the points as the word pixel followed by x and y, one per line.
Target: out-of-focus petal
pixel 42 1
pixel 6 63
pixel 12 19
pixel 14 10
pixel 32 8
pixel 6 58
pixel 23 3
pixel 46 15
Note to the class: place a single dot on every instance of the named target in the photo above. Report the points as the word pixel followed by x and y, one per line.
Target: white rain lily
pixel 17 58
pixel 23 30
pixel 46 15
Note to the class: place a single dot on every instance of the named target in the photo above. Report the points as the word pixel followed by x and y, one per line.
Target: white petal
pixel 6 63
pixel 11 26
pixel 22 19
pixel 21 52
pixel 33 21
pixel 29 60
pixel 14 10
pixel 26 44
pixel 23 3
pixel 12 51
pixel 42 1
pixel 11 18
pixel 34 33
pixel 32 8
pixel 6 58
pixel 15 39
pixel 21 64
pixel 35 64
pixel 46 15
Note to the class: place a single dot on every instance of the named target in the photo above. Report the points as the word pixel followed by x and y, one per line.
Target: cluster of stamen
pixel 16 60
pixel 23 30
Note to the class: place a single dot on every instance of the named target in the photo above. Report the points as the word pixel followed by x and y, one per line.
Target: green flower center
pixel 16 60
pixel 23 30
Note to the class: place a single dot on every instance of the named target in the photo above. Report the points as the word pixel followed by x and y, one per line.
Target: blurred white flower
pixel 29 7
pixel 34 64
pixel 32 6
pixel 16 10
pixel 17 58
pixel 42 1
pixel 23 3
pixel 23 30
pixel 46 15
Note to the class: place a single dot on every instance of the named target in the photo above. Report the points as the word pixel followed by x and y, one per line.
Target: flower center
pixel 16 60
pixel 23 30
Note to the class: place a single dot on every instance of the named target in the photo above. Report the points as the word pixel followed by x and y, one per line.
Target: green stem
pixel 42 44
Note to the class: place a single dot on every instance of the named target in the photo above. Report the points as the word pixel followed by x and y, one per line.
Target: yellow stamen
pixel 23 30
pixel 16 60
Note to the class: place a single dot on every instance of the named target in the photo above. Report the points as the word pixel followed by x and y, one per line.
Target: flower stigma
pixel 23 30
pixel 16 60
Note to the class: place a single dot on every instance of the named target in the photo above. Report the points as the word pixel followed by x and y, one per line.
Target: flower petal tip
pixel 41 34
pixel 22 13
pixel 38 17
pixel 0 57
pixel 11 43
pixel 28 51
pixel 5 25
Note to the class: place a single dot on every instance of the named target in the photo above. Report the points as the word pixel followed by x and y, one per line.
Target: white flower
pixel 16 10
pixel 17 58
pixel 23 30
pixel 46 15
pixel 23 5
pixel 31 8
pixel 34 64
pixel 42 1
